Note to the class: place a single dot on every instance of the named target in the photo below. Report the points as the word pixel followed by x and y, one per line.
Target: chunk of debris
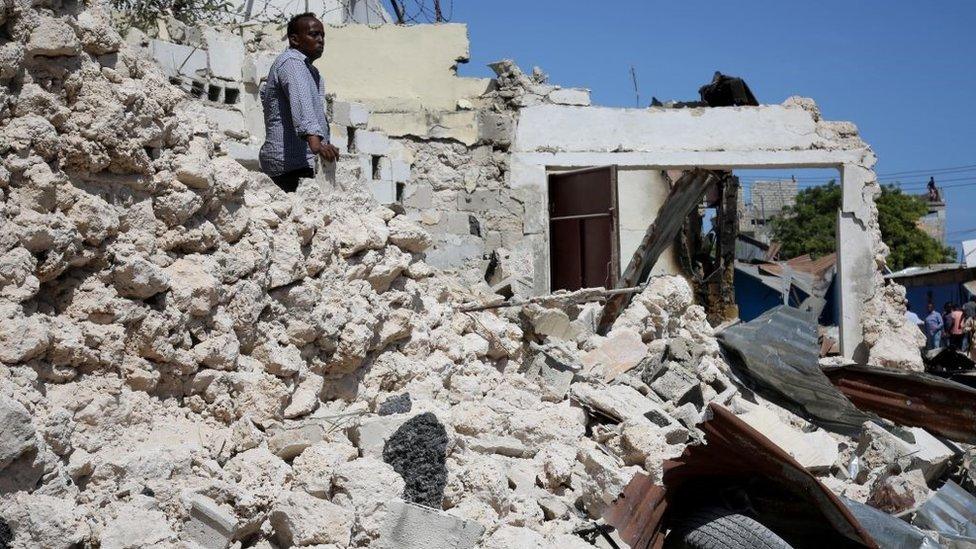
pixel 418 451
pixel 410 526
pixel 210 526
pixel 397 404
pixel 301 519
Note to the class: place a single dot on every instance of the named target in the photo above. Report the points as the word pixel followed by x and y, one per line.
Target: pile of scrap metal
pixel 902 476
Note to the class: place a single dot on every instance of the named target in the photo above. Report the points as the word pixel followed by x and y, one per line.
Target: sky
pixel 903 71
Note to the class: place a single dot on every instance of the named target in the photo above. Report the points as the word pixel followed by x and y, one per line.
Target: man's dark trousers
pixel 288 181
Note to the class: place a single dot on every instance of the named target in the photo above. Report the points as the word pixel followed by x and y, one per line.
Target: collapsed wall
pixel 188 355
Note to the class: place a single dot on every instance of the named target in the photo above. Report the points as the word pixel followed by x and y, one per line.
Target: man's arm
pixel 293 76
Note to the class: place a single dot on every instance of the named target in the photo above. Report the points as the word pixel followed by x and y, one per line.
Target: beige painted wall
pixel 640 193
pixel 393 68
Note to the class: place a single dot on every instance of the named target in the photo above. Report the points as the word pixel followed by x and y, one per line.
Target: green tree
pixel 810 227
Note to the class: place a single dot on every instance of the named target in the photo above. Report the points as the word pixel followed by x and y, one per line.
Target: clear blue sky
pixel 903 71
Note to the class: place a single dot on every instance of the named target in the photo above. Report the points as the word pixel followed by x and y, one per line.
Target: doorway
pixel 584 243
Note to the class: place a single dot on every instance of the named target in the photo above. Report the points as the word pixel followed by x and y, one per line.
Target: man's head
pixel 306 34
pixel 930 307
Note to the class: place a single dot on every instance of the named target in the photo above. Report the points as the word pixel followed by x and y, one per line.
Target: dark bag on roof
pixel 727 91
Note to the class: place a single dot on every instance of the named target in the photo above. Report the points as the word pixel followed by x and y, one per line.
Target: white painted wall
pixel 769 136
pixel 640 193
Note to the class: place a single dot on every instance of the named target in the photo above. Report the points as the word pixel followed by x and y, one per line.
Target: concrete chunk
pixel 371 434
pixel 225 54
pixel 210 525
pixel 570 96
pixel 815 451
pixel 300 519
pixel 620 402
pixel 620 352
pixel 348 114
pixel 410 526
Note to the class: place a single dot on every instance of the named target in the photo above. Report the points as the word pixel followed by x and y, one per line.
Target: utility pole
pixel 438 16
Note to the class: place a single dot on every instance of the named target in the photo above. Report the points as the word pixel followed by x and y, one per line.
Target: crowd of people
pixel 954 327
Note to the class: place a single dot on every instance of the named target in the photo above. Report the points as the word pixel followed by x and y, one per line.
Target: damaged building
pixel 497 169
pixel 491 324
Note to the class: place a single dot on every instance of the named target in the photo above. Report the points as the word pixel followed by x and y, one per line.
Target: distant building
pixel 766 200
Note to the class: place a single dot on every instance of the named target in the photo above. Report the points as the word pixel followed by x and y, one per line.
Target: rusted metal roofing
pixel 733 449
pixel 914 399
pixel 779 353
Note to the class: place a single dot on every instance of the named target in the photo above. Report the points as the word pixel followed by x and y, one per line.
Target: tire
pixel 718 528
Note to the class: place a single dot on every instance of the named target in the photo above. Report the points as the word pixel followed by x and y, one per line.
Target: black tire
pixel 718 528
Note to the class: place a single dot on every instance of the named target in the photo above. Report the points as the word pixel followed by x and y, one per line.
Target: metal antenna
pixel 633 76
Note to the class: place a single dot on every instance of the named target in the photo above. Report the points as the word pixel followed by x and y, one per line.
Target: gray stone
pixel 501 445
pixel 210 526
pixel 678 385
pixel 371 433
pixel 555 376
pixel 409 526
pixel 288 444
pixel 16 431
pixel 397 404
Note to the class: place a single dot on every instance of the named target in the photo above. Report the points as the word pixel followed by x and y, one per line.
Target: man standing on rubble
pixel 296 130
pixel 933 328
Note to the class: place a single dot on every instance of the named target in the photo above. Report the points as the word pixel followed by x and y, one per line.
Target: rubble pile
pixel 190 356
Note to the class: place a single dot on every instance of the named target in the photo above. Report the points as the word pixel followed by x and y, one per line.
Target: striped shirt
pixel 294 107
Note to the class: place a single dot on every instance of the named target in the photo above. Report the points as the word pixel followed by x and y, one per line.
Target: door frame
pixel 613 213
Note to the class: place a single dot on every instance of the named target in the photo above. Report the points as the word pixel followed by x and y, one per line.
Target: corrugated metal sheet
pixel 951 511
pixel 914 399
pixel 733 450
pixel 779 354
pixel 888 531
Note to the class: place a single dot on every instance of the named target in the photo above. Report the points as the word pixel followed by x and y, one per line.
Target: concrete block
pixel 554 376
pixel 228 121
pixel 383 191
pixel 501 445
pixel 176 59
pixel 210 526
pixel 677 385
pixel 244 153
pixel 620 402
pixel 478 201
pixel 458 223
pixel 418 196
pixel 571 96
pixel 929 454
pixel 257 66
pixel 371 433
pixel 816 451
pixel 347 114
pixel 399 170
pixel 451 251
pixel 410 526
pixel 225 54
pixel 372 143
pixel 495 128
pixel 289 443
pixel 618 353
